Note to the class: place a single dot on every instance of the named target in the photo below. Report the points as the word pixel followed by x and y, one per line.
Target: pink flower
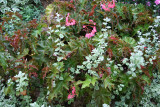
pixel 109 70
pixel 71 1
pixel 145 47
pixel 110 5
pixel 71 22
pixel 73 90
pixel 72 95
pixel 104 7
pixel 6 38
pixel 148 3
pixel 89 35
pixel 157 2
pixel 100 75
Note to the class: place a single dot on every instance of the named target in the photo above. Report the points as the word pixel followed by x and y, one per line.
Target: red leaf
pixel 91 47
pixel 142 67
pixel 108 70
pixel 142 87
pixel 46 69
pixel 92 12
pixel 24 93
pixel 113 38
pixel 71 6
pixel 110 52
pixel 33 66
pixel 147 73
pixel 84 11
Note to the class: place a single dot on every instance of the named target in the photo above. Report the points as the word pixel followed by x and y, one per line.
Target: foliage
pixel 14 5
pixel 53 63
pixel 151 94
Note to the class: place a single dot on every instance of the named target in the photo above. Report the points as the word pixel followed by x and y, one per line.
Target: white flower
pixel 158 17
pixel 106 105
pixel 107 19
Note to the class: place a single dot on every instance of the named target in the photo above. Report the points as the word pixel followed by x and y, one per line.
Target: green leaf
pixel 89 80
pixel 102 96
pixel 36 1
pixel 60 86
pixel 3 62
pixel 86 83
pixel 24 53
pixel 146 79
pixel 49 10
pixel 108 83
pixel 130 40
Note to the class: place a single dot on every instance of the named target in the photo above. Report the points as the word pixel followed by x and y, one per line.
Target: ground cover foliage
pixel 79 53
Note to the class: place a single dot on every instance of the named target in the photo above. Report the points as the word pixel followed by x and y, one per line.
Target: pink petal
pixel 71 1
pixel 112 5
pixel 100 75
pixel 70 96
pixel 84 26
pixel 88 35
pixel 157 2
pixel 94 29
pixel 90 20
pixel 73 90
pixel 104 7
pixel 73 22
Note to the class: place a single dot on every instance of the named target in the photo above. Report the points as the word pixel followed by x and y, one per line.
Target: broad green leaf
pixel 60 86
pixel 146 79
pixel 89 80
pixel 3 62
pixel 102 96
pixel 24 53
pixel 49 10
pixel 86 83
pixel 130 40
pixel 108 83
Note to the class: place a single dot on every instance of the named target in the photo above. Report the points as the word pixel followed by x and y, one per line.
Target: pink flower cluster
pixel 89 35
pixel 72 95
pixel 148 3
pixel 107 7
pixel 157 2
pixel 71 22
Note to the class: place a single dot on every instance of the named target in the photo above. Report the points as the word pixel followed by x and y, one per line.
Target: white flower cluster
pixel 122 102
pixel 37 105
pixel 22 81
pixel 149 43
pixel 97 54
pixel 58 51
pixel 105 23
pixel 136 60
pixel 94 59
pixel 157 21
pixel 151 96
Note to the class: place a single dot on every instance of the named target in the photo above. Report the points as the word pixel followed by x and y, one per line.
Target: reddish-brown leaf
pixel 110 52
pixel 24 93
pixel 92 11
pixel 91 47
pixel 45 69
pixel 33 66
pixel 108 70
